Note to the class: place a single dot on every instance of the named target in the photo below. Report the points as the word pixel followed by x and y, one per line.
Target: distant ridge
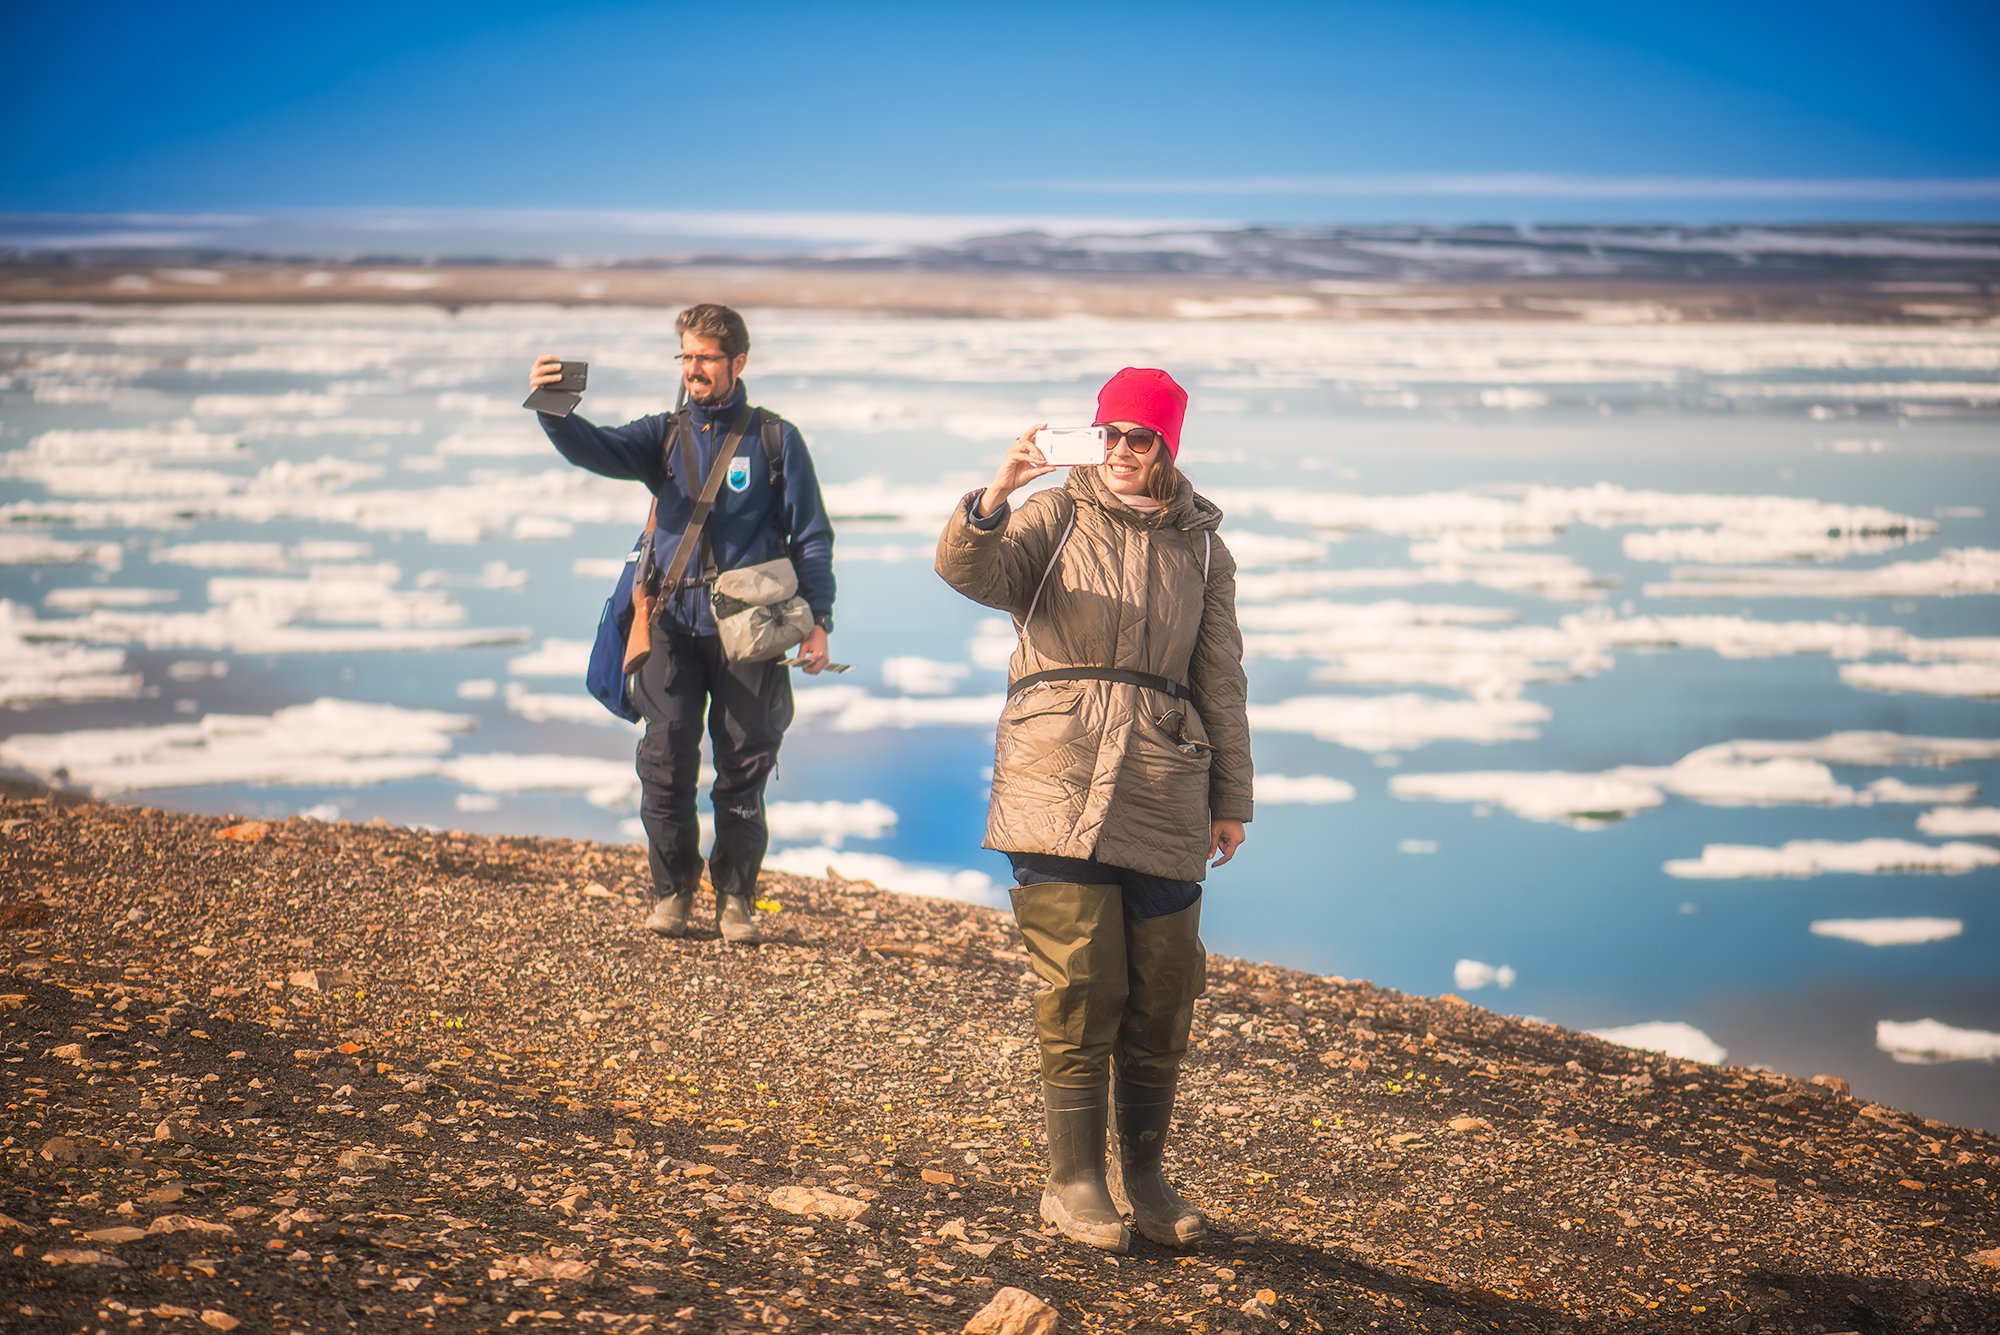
pixel 1493 253
pixel 1663 253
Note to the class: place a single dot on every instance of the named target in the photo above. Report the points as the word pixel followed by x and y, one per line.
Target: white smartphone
pixel 1071 446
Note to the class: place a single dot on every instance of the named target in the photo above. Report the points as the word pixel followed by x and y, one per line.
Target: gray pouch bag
pixel 758 612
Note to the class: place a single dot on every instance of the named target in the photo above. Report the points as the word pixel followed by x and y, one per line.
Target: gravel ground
pixel 302 1076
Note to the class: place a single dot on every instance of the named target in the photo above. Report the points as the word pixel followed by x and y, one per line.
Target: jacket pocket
pixel 1180 730
pixel 1041 735
pixel 1041 701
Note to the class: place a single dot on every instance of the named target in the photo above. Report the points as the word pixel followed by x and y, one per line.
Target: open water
pixel 1613 672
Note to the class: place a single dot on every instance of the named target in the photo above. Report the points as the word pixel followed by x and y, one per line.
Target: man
pixel 768 507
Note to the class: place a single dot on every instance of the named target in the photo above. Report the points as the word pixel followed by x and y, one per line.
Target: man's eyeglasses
pixel 697 358
pixel 1138 439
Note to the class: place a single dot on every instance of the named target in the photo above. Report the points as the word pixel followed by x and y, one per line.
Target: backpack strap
pixel 1068 529
pixel 774 449
pixel 676 436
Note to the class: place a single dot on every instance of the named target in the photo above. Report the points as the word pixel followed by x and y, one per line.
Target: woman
pixel 1122 767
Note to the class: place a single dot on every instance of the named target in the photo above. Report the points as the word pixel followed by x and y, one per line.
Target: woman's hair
pixel 1165 481
pixel 717 322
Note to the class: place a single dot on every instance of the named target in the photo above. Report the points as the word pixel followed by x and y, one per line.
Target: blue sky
pixel 1417 110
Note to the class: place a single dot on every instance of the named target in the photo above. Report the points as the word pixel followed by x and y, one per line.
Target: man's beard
pixel 710 396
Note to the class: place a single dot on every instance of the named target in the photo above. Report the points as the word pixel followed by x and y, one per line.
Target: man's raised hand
pixel 547 370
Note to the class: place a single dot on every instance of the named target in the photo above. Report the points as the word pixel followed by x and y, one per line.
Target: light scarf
pixel 1142 505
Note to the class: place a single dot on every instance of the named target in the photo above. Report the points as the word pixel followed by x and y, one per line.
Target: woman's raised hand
pixel 1023 464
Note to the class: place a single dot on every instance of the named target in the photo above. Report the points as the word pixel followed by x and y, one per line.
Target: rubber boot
pixel 1076 1199
pixel 670 914
pixel 1168 970
pixel 737 922
pixel 1075 936
pixel 1142 1117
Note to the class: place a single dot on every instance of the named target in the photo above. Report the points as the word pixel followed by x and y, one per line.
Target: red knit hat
pixel 1148 397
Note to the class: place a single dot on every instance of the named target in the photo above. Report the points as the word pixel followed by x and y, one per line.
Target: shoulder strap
pixel 705 502
pixel 774 448
pixel 676 437
pixel 1068 528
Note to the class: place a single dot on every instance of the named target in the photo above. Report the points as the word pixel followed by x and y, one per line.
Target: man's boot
pixel 1168 970
pixel 737 921
pixel 1142 1117
pixel 670 914
pixel 1076 1199
pixel 1075 935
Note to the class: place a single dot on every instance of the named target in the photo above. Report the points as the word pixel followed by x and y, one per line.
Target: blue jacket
pixel 750 523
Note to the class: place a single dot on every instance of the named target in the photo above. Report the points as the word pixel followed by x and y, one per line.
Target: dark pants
pixel 1144 896
pixel 747 706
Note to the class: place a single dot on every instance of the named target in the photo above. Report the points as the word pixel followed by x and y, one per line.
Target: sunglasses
pixel 1138 439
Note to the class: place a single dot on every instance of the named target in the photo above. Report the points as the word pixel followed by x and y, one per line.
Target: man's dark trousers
pixel 748 708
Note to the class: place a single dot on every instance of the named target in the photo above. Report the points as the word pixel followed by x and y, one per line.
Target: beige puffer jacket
pixel 1124 774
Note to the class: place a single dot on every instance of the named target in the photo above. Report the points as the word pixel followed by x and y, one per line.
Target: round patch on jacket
pixel 738 476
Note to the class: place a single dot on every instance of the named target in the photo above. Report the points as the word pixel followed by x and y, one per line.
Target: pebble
pixel 816 1201
pixel 1013 1311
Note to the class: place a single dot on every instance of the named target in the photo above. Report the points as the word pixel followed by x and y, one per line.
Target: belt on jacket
pixel 1166 685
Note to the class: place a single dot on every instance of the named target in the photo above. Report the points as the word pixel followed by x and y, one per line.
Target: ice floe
pixel 1471 975
pixel 1739 773
pixel 1676 1038
pixel 1820 857
pixel 1871 748
pixel 992 644
pixel 1513 516
pixel 1548 575
pixel 1748 637
pixel 842 708
pixel 1400 722
pixel 40 673
pixel 254 617
pixel 1928 1041
pixel 1583 800
pixel 553 658
pixel 922 676
pixel 607 783
pixel 566 706
pixel 1719 548
pixel 293 403
pixel 334 743
pixel 244 555
pixel 1946 822
pixel 1889 931
pixel 831 823
pixel 495 443
pixel 1301 790
pixel 176 442
pixel 89 597
pixel 1956 571
pixel 1980 680
pixel 39 549
pixel 887 872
